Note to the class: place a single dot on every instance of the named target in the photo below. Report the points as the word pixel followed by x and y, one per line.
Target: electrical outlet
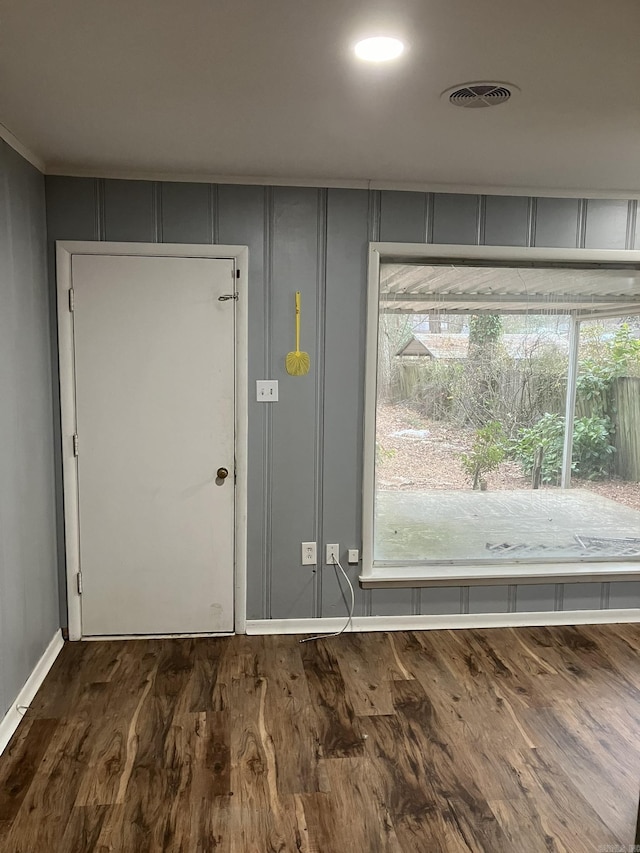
pixel 267 390
pixel 354 556
pixel 333 554
pixel 309 554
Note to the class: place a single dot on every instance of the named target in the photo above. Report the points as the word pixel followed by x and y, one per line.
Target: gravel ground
pixel 427 456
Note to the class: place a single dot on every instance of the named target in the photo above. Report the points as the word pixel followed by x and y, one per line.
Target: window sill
pixel 510 573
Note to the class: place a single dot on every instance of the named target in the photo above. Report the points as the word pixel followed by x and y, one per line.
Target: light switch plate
pixel 267 390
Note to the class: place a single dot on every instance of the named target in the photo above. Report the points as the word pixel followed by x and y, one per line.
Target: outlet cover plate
pixel 309 554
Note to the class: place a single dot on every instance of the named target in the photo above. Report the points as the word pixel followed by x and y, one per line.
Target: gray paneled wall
pixel 305 452
pixel 28 575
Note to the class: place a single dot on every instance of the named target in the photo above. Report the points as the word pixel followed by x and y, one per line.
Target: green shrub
pixel 592 448
pixel 625 351
pixel 547 433
pixel 486 454
pixel 603 364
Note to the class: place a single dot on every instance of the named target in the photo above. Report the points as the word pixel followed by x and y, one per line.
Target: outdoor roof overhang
pixel 455 288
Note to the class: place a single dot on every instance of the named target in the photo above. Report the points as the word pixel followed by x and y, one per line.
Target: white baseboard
pixel 446 622
pixel 102 638
pixel 11 719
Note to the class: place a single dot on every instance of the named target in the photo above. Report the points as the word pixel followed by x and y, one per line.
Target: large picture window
pixel 503 413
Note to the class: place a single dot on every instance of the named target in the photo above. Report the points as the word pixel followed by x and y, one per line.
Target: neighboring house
pixel 456 346
pixel 439 346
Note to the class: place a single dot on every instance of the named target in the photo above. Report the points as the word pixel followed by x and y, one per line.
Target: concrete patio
pixel 547 523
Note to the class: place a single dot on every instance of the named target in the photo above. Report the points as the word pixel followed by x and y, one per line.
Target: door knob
pixel 222 473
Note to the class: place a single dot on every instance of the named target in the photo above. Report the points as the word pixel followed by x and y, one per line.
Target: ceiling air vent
pixel 476 95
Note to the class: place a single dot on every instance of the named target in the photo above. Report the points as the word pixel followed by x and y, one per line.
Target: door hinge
pixel 75 444
pixel 237 273
pixel 79 582
pixel 72 299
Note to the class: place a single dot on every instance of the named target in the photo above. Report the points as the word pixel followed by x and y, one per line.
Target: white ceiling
pixel 269 88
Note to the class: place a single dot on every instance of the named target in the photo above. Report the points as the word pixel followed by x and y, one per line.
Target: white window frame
pixel 454 573
pixel 240 256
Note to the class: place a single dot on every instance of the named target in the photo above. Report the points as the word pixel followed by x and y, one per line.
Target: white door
pixel 154 374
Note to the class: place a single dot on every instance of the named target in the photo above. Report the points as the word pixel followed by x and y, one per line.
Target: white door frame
pixel 65 249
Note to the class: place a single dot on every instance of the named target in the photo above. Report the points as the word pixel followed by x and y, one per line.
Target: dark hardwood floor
pixel 519 740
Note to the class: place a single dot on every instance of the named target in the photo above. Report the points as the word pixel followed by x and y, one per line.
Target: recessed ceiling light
pixel 379 49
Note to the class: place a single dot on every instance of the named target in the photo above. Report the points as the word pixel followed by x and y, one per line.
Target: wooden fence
pixel 445 389
pixel 626 401
pixel 438 388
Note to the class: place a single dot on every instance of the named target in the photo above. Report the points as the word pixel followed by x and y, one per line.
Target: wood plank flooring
pixel 522 740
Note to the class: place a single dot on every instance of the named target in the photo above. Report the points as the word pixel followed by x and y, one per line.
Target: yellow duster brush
pixel 297 363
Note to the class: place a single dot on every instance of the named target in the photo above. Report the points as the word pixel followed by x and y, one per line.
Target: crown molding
pixel 71 171
pixel 21 149
pixel 74 171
